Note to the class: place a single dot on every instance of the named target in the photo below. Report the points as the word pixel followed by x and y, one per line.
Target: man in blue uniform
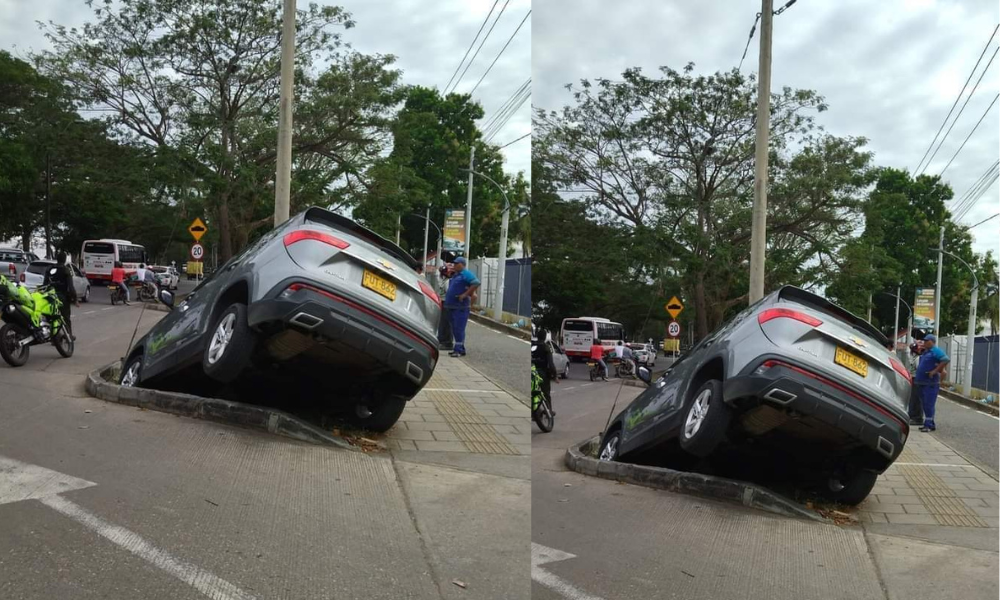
pixel 932 363
pixel 458 301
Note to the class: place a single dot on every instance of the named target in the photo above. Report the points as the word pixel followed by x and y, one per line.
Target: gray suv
pixel 794 373
pixel 320 298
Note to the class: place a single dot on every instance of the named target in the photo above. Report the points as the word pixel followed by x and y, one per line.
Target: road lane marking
pixel 913 464
pixel 541 555
pixel 517 339
pixel 462 391
pixel 22 481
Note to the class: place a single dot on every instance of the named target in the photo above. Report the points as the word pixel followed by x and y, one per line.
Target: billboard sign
pixel 923 309
pixel 454 231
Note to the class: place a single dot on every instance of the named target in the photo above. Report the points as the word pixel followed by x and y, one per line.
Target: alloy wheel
pixel 131 376
pixel 220 339
pixel 697 413
pixel 610 449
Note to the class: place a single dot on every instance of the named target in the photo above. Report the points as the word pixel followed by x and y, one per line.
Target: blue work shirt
pixel 929 360
pixel 457 285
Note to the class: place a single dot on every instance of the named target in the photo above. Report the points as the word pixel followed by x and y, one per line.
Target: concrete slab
pixel 913 569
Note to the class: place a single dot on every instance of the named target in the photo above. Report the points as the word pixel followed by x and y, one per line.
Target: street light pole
pixel 427 227
pixel 970 336
pixel 895 322
pixel 937 290
pixel 502 250
pixel 283 176
pixel 758 236
pixel 468 204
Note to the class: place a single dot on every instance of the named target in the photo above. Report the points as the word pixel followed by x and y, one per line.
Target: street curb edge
pixel 707 486
pixel 211 409
pixel 985 408
pixel 501 327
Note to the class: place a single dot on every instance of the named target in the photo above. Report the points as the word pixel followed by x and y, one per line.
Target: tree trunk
pixel 225 228
pixel 700 306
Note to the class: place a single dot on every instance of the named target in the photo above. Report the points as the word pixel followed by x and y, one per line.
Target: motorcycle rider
pixel 60 278
pixel 541 358
pixel 118 278
pixel 597 355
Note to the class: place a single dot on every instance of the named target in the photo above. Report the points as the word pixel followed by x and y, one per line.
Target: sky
pixel 890 70
pixel 428 39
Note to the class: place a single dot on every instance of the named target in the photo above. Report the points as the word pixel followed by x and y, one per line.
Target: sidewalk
pixel 462 411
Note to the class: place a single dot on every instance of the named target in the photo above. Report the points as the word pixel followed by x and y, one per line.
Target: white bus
pixel 97 257
pixel 577 335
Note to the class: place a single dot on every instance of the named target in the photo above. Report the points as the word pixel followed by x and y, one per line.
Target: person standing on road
pixel 458 300
pixel 118 278
pixel 445 272
pixel 915 408
pixel 932 364
pixel 60 278
pixel 597 355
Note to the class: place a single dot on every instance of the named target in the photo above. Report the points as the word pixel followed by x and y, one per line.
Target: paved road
pixel 972 433
pixel 503 358
pixel 99 500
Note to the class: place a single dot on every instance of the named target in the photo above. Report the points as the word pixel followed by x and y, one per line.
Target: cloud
pixel 889 70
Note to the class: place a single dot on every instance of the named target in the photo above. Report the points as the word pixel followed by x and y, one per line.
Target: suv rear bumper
pixel 310 309
pixel 790 387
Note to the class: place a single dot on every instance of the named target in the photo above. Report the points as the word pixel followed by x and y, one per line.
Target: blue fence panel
pixel 985 364
pixel 517 287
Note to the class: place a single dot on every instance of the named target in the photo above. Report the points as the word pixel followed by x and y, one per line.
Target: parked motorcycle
pixel 30 319
pixel 541 406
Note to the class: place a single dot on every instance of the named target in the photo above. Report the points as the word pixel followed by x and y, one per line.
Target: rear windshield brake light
pixel 787 313
pixel 308 234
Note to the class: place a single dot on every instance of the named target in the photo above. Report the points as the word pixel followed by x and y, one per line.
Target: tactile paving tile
pixel 940 500
pixel 470 426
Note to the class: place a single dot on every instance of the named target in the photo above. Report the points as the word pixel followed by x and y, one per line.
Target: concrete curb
pixel 501 327
pixel 212 409
pixel 707 486
pixel 986 408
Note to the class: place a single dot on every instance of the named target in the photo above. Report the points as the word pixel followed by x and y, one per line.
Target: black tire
pixel 857 484
pixel 702 439
pixel 611 444
pixel 378 415
pixel 10 333
pixel 64 343
pixel 114 297
pixel 136 362
pixel 565 373
pixel 86 295
pixel 543 416
pixel 236 353
pixel 592 376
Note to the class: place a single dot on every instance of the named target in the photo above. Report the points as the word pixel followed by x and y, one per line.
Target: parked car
pixel 34 276
pixel 644 354
pixel 793 373
pixel 13 261
pixel 166 277
pixel 560 359
pixel 319 298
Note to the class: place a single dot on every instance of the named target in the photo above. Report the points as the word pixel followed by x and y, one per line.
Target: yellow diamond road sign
pixel 197 229
pixel 674 307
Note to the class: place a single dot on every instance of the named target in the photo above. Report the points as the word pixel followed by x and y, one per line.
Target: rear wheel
pixel 543 415
pixel 13 353
pixel 378 415
pixel 64 342
pixel 230 345
pixel 851 486
pixel 706 420
pixel 86 295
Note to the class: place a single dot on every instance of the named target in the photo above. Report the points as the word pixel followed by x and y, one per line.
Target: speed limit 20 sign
pixel 197 251
pixel 674 329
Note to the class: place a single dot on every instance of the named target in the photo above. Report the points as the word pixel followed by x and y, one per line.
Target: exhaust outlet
pixel 780 396
pixel 306 321
pixel 414 372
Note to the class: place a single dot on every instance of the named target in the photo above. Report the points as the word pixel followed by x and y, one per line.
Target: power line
pixel 960 111
pixel 785 7
pixel 502 118
pixel 959 97
pixel 506 103
pixel 982 190
pixel 983 221
pixel 515 141
pixel 753 28
pixel 959 204
pixel 469 49
pixel 970 134
pixel 500 53
pixel 495 21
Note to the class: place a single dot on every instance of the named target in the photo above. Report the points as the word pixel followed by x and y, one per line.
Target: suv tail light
pixel 22 277
pixel 429 292
pixel 787 313
pixel 319 236
pixel 898 366
pixel 12 269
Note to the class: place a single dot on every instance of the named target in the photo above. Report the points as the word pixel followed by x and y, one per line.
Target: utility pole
pixel 970 339
pixel 283 177
pixel 895 325
pixel 427 226
pixel 399 222
pixel 501 263
pixel 758 239
pixel 48 207
pixel 468 204
pixel 869 307
pixel 937 289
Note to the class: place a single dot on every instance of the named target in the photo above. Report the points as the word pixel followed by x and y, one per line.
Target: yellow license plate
pixel 379 285
pixel 851 361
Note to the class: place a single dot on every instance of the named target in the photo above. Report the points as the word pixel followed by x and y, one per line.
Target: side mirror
pixel 645 375
pixel 167 298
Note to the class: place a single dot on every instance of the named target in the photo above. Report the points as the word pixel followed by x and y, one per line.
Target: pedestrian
pixel 118 278
pixel 445 272
pixel 461 287
pixel 597 355
pixel 60 278
pixel 932 365
pixel 915 408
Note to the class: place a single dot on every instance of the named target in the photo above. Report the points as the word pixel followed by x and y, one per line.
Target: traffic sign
pixel 674 307
pixel 197 229
pixel 197 251
pixel 673 329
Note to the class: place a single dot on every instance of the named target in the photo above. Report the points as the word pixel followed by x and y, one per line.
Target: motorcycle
pixel 30 319
pixel 541 406
pixel 116 294
pixel 625 368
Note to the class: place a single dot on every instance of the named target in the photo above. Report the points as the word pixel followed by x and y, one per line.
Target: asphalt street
pixel 503 358
pixel 100 500
pixel 971 432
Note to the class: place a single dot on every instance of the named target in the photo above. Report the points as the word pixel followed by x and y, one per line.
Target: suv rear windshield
pixel 39 268
pixel 99 248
